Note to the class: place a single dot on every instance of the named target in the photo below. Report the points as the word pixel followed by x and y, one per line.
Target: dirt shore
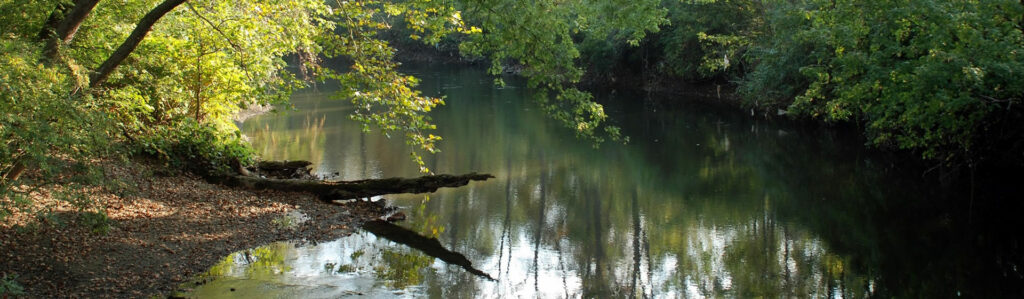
pixel 163 230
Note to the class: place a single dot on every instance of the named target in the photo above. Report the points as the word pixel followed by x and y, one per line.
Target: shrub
pixel 97 222
pixel 8 286
pixel 937 77
pixel 200 148
pixel 45 129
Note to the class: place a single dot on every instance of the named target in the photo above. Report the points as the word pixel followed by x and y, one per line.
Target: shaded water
pixel 701 202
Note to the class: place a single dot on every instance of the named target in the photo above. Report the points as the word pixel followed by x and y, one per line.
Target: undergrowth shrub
pixel 9 286
pixel 199 148
pixel 97 222
pixel 48 133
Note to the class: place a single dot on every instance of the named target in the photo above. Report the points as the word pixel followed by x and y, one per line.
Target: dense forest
pixel 937 78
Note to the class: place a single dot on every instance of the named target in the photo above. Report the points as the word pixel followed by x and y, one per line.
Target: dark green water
pixel 702 202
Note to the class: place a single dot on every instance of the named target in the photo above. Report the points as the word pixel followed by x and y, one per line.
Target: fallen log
pixel 330 191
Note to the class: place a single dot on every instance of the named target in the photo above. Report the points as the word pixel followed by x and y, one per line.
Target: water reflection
pixel 701 203
pixel 353 266
pixel 426 245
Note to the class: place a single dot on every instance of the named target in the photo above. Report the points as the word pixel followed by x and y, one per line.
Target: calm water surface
pixel 701 203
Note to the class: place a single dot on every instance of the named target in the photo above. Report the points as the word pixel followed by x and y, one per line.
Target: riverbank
pixel 162 231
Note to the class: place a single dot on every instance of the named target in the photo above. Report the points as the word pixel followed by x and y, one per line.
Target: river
pixel 702 202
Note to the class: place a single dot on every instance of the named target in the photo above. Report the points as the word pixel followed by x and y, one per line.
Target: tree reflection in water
pixel 701 203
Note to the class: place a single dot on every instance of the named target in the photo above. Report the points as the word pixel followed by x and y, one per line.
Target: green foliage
pixel 935 77
pixel 208 59
pixel 9 286
pixel 173 99
pixel 24 17
pixel 541 38
pixel 775 78
pixel 383 96
pixel 97 222
pixel 930 76
pixel 923 75
pixel 699 41
pixel 45 130
pixel 200 148
pixel 709 39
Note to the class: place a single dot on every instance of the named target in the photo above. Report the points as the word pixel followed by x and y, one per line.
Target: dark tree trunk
pixel 133 40
pixel 68 26
pixel 53 21
pixel 329 191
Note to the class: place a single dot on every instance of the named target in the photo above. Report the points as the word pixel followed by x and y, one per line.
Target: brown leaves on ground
pixel 166 231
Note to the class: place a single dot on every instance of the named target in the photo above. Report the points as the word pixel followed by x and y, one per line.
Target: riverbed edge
pixel 163 229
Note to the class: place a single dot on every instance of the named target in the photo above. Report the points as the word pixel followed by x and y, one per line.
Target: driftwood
pixel 329 191
pixel 429 246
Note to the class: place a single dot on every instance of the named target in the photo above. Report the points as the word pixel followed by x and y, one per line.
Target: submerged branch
pixel 429 246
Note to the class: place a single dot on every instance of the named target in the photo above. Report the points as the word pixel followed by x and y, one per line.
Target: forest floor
pixel 163 231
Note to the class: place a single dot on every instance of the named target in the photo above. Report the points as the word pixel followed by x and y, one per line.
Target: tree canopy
pixel 167 76
pixel 937 77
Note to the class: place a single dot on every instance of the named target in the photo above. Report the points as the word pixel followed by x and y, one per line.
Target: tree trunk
pixel 53 21
pixel 68 26
pixel 329 191
pixel 133 40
